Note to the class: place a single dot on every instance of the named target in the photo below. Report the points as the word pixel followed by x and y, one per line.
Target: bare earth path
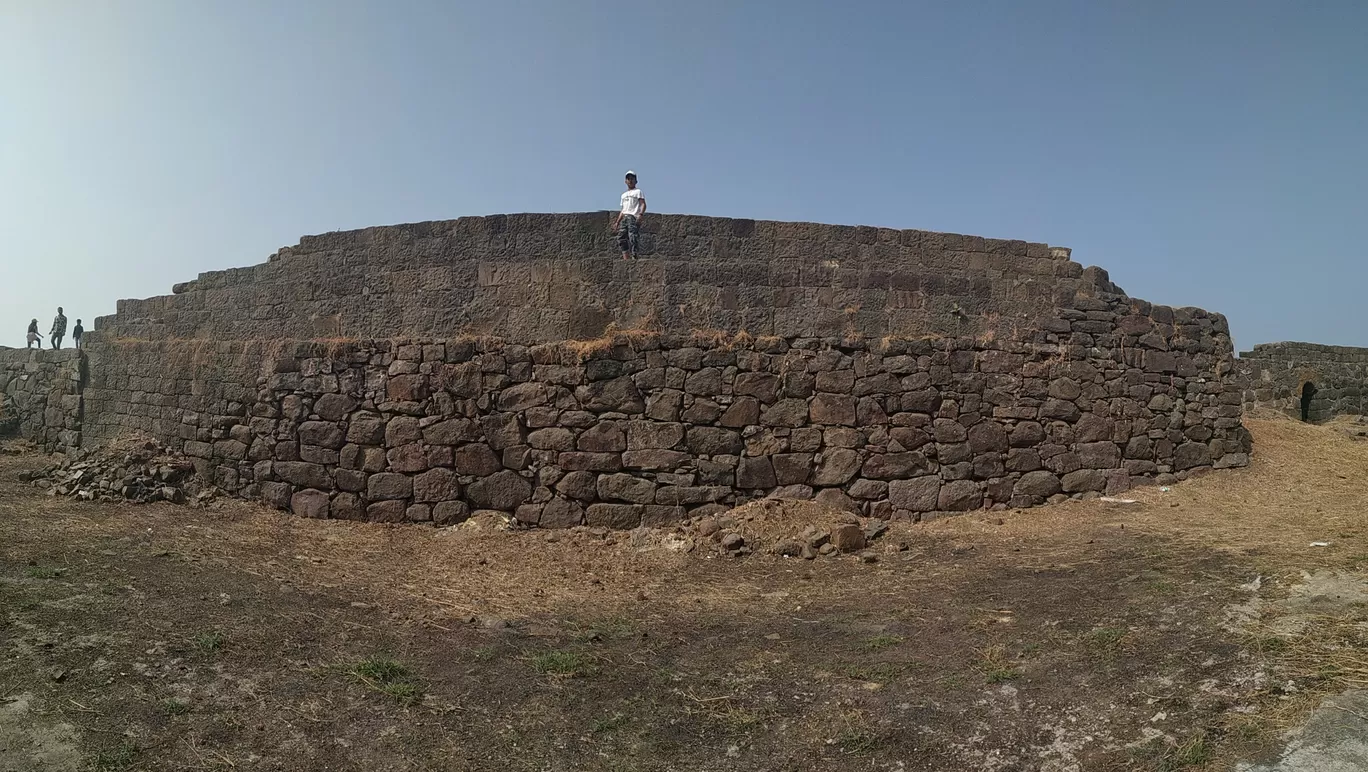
pixel 1088 636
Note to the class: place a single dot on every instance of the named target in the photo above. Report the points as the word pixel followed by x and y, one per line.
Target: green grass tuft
pixel 210 642
pixel 563 663
pixel 388 677
pixel 174 707
pixel 881 642
pixel 116 759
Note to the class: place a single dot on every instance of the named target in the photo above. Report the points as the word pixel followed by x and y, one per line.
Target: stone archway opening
pixel 1308 392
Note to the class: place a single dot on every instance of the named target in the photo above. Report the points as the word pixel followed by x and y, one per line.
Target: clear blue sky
pixel 1205 153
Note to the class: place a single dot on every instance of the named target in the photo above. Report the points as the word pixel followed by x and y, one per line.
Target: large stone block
pixel 276 494
pixel 393 511
pixel 334 407
pixel 833 409
pixel 1040 484
pixel 407 458
pixel 625 487
pixel 744 411
pixel 551 438
pixel 757 472
pixel 1099 455
pixel 302 474
pixel 561 513
pixel 786 412
pixel 619 516
pixel 711 441
pixel 402 430
pixel 919 494
pixel 389 485
pixel 762 386
pixel 837 466
pixel 618 395
pixel 503 491
pixel 436 485
pixel 579 485
pixel 603 437
pixel 791 468
pixel 366 429
pixel 987 437
pixel 502 430
pixel 1190 455
pixel 593 462
pixel 959 496
pixel 895 466
pixel 1084 480
pixel 451 432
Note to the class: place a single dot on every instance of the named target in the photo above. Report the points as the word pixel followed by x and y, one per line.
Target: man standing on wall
pixel 628 223
pixel 58 329
pixel 76 333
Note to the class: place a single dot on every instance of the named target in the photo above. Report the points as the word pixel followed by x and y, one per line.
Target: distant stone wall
pixel 43 389
pixel 1333 379
pixel 536 278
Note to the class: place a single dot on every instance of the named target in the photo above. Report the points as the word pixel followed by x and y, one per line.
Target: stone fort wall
pixel 43 390
pixel 538 278
pixel 417 372
pixel 1333 379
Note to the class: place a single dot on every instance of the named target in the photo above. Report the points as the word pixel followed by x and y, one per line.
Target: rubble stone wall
pixel 648 428
pixel 42 388
pixel 420 372
pixel 1275 375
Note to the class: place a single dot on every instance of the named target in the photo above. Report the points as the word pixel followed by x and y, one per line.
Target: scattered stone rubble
pixel 1355 428
pixel 141 473
pixel 788 528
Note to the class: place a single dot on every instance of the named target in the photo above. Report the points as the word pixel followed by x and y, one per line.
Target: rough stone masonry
pixel 513 363
pixel 1309 381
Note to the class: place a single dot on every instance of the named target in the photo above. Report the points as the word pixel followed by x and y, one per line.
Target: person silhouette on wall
pixel 33 336
pixel 58 329
pixel 628 223
pixel 76 333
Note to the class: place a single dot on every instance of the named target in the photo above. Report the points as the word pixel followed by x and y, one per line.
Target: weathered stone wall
pixel 648 428
pixel 536 278
pixel 43 389
pixel 418 372
pixel 1274 376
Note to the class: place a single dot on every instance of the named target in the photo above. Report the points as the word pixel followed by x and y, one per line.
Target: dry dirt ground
pixel 1186 630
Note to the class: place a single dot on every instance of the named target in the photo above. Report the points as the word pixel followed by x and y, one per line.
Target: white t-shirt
pixel 633 202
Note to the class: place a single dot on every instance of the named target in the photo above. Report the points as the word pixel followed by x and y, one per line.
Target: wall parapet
pixel 542 277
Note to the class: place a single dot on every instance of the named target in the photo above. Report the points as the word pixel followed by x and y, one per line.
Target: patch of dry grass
pixel 613 337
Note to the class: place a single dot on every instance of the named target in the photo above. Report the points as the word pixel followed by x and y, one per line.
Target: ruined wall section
pixel 651 428
pixel 1275 374
pixel 42 388
pixel 537 278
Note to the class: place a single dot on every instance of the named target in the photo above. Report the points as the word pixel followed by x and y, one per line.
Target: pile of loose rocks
pixel 796 529
pixel 1355 428
pixel 142 473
